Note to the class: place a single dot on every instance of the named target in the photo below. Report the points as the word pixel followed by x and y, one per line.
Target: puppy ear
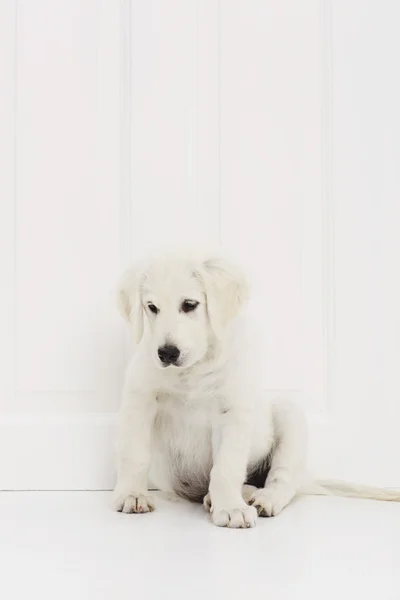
pixel 226 290
pixel 130 301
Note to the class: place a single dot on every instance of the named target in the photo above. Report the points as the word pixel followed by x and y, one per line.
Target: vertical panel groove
pixel 15 351
pixel 125 205
pixel 197 198
pixel 125 131
pixel 219 75
pixel 328 276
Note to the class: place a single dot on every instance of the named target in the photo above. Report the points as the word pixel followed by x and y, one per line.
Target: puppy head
pixel 189 303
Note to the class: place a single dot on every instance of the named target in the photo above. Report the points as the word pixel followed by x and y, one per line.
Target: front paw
pixel 133 503
pixel 235 518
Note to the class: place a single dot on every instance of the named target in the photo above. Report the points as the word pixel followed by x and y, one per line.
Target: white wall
pixel 269 127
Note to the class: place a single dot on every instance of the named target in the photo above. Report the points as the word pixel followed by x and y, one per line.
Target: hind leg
pixel 288 461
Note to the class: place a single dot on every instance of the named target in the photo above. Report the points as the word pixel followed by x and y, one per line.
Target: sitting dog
pixel 194 419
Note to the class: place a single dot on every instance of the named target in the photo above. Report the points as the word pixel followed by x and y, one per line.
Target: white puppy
pixel 194 419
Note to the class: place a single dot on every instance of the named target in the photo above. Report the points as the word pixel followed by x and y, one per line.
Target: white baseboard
pixel 57 452
pixel 76 452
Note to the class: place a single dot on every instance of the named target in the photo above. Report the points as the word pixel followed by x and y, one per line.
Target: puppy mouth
pixel 176 365
pixel 171 367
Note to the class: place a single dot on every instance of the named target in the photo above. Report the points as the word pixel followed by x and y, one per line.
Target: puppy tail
pixel 349 490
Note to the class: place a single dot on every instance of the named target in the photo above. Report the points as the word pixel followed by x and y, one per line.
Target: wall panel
pixel 67 243
pixel 271 127
pixel 271 180
pixel 174 123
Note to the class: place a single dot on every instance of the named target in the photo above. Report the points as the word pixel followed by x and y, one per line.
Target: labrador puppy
pixel 194 419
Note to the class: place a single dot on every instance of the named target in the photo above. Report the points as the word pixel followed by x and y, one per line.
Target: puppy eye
pixel 189 305
pixel 153 308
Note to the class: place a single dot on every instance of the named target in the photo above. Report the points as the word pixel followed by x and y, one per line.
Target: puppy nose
pixel 168 354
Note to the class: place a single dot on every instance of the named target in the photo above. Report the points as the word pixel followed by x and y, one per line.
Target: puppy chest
pixel 185 429
pixel 182 436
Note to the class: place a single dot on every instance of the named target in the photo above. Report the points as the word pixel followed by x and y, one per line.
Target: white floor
pixel 56 545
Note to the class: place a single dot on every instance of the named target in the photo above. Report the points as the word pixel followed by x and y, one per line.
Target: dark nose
pixel 168 354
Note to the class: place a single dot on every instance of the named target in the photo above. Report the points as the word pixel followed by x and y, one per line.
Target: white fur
pixel 207 418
